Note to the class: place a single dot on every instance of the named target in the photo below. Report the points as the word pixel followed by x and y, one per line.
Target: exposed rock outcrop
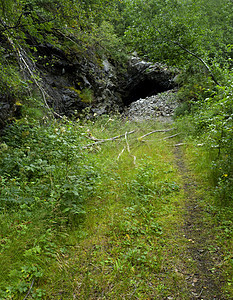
pixel 74 81
pixel 7 108
pixel 144 79
pixel 111 87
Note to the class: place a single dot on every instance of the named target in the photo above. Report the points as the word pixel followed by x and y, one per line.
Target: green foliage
pixel 46 180
pixel 13 87
pixel 122 250
pixel 210 120
pixel 215 118
pixel 74 26
pixel 48 154
pixel 68 213
pixel 198 26
pixel 155 29
pixel 38 20
pixel 108 40
pixel 86 95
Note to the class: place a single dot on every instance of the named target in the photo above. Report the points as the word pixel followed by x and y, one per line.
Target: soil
pixel 203 280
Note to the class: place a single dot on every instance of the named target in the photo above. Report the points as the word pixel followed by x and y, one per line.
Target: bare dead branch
pixel 154 131
pixel 134 160
pixel 128 149
pixel 165 138
pixel 29 289
pixel 23 62
pixel 91 137
pixel 200 59
pixel 107 140
pixel 127 144
pixel 118 157
pixel 171 136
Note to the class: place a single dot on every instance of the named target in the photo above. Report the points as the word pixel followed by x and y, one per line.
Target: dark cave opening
pixel 143 89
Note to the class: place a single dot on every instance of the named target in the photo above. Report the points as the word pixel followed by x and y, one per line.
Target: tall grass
pixel 55 191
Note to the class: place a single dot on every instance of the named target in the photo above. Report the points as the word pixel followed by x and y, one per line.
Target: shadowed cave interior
pixel 143 89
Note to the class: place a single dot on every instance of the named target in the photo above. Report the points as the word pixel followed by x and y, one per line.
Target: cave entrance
pixel 143 89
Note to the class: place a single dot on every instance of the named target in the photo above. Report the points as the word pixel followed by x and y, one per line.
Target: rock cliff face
pixel 144 79
pixel 74 81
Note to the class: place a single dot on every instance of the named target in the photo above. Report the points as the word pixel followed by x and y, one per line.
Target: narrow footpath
pixel 202 254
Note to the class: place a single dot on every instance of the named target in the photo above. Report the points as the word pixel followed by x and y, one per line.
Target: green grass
pixel 91 222
pixel 121 254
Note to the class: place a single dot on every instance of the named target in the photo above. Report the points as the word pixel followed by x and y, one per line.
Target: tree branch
pixel 107 140
pixel 7 27
pixel 193 54
pixel 22 62
pixel 29 289
pixel 154 131
pixel 171 136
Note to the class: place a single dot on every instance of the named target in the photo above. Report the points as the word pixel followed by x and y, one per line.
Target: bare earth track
pixel 204 281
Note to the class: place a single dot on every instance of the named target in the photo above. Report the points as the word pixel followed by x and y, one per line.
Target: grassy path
pixel 146 225
pixel 148 232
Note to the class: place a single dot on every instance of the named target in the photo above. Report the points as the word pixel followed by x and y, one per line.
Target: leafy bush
pixel 211 120
pixel 46 159
pixel 45 182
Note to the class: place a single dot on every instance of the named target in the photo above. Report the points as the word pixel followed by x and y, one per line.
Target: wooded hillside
pixel 85 199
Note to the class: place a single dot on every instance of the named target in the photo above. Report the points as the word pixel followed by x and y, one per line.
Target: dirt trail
pixel 202 255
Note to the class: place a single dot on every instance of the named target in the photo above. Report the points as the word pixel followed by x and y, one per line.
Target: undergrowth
pixel 45 181
pixel 208 131
pixel 84 219
pixel 55 192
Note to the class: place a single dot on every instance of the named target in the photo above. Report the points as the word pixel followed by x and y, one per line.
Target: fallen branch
pixel 103 127
pixel 171 136
pixel 107 140
pixel 134 160
pixel 128 149
pixel 127 144
pixel 29 289
pixel 154 131
pixel 167 137
pixel 90 137
pixel 118 157
pixel 180 144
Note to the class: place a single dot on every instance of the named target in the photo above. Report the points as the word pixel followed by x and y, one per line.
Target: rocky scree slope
pixel 160 106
